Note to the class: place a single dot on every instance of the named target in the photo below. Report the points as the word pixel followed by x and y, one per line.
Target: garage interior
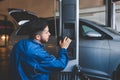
pixel 96 10
pixel 45 8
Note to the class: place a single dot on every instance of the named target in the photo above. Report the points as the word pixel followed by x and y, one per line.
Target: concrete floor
pixel 4 64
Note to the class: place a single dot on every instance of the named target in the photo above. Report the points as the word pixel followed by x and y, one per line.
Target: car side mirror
pixel 93 34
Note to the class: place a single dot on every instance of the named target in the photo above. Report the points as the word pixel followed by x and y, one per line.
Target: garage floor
pixel 5 63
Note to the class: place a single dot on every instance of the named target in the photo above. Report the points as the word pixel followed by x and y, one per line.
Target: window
pixel 87 29
pixel 91 31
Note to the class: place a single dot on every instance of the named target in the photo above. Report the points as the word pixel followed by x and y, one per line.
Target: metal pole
pixel 109 13
pixel 60 16
pixel 77 32
pixel 69 10
pixel 114 15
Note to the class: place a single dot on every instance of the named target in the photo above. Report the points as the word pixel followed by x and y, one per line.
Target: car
pixel 99 47
pixel 98 50
pixel 20 17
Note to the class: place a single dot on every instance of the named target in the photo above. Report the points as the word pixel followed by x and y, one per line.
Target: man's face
pixel 45 35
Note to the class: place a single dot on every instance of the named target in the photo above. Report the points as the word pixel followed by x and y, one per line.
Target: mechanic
pixel 29 60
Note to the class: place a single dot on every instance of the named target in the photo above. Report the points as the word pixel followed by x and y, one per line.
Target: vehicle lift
pixel 69 26
pixel 110 13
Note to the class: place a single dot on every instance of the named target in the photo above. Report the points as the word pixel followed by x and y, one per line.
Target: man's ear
pixel 37 37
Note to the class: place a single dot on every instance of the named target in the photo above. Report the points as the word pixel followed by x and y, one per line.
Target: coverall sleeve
pixel 44 62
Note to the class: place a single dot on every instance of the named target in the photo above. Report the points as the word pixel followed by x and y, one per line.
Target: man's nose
pixel 49 33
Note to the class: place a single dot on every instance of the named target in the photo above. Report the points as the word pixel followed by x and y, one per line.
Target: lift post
pixel 110 13
pixel 69 26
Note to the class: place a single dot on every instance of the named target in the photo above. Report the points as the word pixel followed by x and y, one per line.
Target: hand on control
pixel 65 43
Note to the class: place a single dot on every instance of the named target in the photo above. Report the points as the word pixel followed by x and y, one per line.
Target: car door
pixel 94 51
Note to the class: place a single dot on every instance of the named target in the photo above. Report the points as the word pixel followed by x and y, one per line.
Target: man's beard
pixel 43 41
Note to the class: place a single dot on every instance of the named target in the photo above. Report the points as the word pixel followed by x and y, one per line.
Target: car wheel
pixel 116 74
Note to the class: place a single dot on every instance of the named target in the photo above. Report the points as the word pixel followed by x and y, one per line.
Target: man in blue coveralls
pixel 29 61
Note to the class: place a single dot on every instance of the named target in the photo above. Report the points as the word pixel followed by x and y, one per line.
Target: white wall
pixel 98 14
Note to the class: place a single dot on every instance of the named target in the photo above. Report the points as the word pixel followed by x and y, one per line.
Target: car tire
pixel 116 74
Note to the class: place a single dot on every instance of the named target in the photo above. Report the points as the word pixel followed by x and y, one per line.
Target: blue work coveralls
pixel 29 61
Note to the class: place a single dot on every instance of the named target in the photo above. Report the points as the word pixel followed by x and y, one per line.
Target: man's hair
pixel 35 26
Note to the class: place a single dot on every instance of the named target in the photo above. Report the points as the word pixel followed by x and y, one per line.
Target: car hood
pixel 21 16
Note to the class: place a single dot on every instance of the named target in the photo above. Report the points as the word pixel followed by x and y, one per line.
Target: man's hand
pixel 65 43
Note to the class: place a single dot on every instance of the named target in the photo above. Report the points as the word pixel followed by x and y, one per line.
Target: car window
pixel 87 29
pixel 89 32
pixel 113 30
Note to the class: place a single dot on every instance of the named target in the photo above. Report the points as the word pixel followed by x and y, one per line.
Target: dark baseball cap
pixel 35 25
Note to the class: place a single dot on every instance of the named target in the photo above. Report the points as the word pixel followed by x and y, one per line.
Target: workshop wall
pixel 44 8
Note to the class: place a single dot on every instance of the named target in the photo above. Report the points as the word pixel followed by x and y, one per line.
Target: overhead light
pixel 3 37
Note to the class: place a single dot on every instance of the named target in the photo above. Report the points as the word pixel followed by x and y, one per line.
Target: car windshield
pixel 112 30
pixel 108 28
